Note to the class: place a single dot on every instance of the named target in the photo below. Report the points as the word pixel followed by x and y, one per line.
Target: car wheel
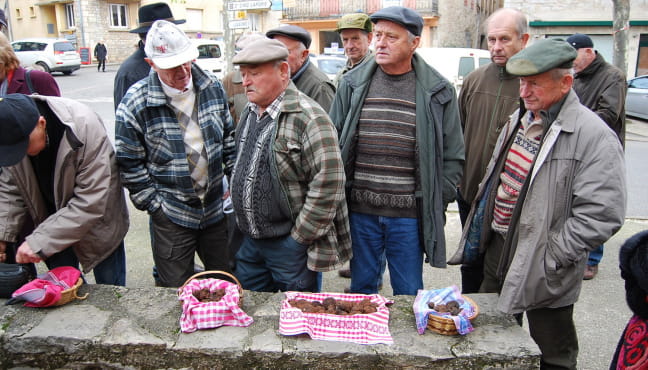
pixel 67 73
pixel 44 66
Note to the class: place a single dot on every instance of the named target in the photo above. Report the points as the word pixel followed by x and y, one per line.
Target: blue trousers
pixel 110 271
pixel 271 265
pixel 595 256
pixel 398 239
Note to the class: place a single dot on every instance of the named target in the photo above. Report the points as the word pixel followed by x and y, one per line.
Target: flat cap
pixel 294 32
pixel 578 40
pixel 406 17
pixel 359 21
pixel 261 51
pixel 541 56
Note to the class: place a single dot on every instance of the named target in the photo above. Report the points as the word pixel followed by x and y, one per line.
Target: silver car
pixel 52 55
pixel 637 97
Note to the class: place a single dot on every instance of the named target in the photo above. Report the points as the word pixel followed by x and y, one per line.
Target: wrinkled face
pixel 582 59
pixel 356 43
pixel 178 77
pixel 297 53
pixel 503 39
pixel 264 82
pixel 37 138
pixel 541 91
pixel 394 49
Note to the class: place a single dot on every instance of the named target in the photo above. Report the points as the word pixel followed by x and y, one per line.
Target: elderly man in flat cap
pixel 288 181
pixel 355 32
pixel 306 76
pixel 402 147
pixel 173 133
pixel 553 190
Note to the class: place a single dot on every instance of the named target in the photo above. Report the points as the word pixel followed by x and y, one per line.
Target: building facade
pixel 561 18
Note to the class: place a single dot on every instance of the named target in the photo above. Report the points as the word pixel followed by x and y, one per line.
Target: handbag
pixel 12 277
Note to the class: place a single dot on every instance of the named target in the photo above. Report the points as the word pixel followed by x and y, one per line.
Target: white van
pixel 455 63
pixel 211 56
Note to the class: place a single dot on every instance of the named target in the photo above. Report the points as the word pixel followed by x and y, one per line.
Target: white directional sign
pixel 244 5
pixel 240 24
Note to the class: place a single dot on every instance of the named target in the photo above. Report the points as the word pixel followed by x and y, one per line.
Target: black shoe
pixel 345 273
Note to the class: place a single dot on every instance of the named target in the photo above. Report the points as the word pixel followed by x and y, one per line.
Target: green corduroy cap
pixel 541 56
pixel 355 21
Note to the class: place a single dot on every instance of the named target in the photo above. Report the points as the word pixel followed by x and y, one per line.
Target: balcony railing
pixel 322 9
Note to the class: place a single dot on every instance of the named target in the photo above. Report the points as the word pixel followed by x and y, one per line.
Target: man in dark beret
pixel 601 87
pixel 306 76
pixel 553 191
pixel 402 147
pixel 287 185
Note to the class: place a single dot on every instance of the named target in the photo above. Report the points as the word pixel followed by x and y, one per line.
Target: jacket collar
pixel 593 67
pixel 291 99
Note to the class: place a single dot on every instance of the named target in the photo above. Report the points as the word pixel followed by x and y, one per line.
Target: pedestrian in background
pixel 173 134
pixel 601 87
pixel 16 79
pixel 59 176
pixel 100 52
pixel 554 189
pixel 488 97
pixel 402 147
pixel 288 180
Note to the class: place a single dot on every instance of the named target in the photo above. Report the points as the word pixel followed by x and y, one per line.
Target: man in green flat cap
pixel 553 191
pixel 355 32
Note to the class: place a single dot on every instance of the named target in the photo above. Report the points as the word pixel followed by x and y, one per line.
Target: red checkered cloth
pixel 208 315
pixel 370 328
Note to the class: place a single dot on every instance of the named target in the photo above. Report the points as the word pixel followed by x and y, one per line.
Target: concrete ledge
pixel 118 327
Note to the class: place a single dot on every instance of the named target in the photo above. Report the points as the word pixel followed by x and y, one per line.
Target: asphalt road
pixel 600 314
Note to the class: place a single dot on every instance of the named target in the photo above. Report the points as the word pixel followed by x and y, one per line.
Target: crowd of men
pixel 320 173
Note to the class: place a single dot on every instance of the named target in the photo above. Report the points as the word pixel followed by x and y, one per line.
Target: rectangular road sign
pixel 244 5
pixel 240 24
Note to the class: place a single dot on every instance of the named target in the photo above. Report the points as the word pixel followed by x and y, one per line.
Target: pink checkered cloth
pixel 208 315
pixel 370 328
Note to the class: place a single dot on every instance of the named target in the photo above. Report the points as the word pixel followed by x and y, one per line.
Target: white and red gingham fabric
pixel 370 328
pixel 208 315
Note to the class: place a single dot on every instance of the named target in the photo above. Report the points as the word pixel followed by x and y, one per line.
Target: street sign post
pixel 246 5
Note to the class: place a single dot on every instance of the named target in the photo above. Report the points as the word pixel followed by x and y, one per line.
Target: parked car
pixel 454 63
pixel 211 56
pixel 52 55
pixel 330 64
pixel 637 97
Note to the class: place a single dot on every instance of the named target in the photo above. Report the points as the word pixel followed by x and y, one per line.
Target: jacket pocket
pixel 159 147
pixel 288 154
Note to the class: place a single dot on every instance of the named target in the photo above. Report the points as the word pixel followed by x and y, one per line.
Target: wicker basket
pixel 445 325
pixel 70 294
pixel 216 272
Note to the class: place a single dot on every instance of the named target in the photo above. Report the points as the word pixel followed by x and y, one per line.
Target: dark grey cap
pixel 578 40
pixel 261 51
pixel 18 117
pixel 541 56
pixel 294 32
pixel 406 17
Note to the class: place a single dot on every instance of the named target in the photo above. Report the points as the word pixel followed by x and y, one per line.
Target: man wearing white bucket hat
pixel 174 145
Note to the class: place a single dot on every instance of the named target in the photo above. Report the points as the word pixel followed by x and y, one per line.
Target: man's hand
pixel 25 254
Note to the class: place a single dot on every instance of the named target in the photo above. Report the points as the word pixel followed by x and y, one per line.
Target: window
pixel 466 65
pixel 69 15
pixel 118 16
pixel 18 15
pixel 32 12
pixel 194 19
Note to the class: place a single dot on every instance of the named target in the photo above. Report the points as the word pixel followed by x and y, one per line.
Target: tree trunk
pixel 620 27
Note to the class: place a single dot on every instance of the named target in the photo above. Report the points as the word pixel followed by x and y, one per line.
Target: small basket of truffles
pixel 356 318
pixel 444 311
pixel 209 303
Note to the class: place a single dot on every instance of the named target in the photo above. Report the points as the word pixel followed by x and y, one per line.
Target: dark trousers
pixel 174 248
pixel 101 64
pixel 473 274
pixel 554 331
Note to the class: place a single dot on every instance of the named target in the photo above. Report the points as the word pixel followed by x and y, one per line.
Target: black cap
pixel 18 117
pixel 406 17
pixel 578 40
pixel 150 13
pixel 294 32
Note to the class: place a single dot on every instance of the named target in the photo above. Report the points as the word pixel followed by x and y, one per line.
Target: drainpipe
pixel 83 42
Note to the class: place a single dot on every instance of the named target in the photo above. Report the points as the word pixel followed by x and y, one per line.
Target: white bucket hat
pixel 167 46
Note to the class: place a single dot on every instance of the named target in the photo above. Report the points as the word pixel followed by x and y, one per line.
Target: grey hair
pixel 521 24
pixel 558 73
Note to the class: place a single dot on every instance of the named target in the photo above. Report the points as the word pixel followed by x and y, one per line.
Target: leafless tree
pixel 621 28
